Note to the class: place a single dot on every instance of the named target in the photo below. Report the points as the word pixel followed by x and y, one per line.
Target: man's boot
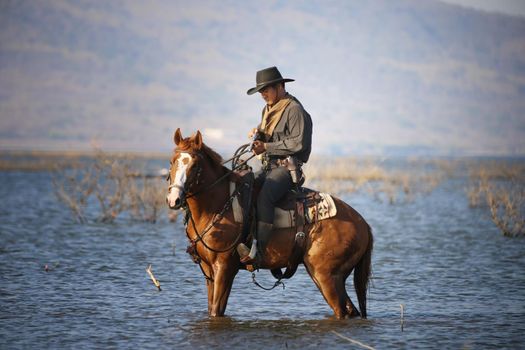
pixel 255 254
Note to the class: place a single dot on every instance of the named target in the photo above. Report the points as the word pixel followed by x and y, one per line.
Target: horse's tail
pixel 362 273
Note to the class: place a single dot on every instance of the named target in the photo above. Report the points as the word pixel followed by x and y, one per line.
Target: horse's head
pixel 185 168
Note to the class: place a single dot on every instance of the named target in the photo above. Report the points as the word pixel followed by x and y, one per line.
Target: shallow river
pixel 460 281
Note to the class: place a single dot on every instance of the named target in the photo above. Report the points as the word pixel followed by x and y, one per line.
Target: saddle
pixel 316 206
pixel 300 206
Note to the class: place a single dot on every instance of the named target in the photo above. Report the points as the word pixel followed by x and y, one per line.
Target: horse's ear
pixel 177 137
pixel 198 140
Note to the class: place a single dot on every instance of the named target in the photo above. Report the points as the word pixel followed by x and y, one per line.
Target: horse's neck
pixel 211 201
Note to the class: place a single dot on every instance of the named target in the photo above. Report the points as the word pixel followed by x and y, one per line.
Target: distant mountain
pixel 406 76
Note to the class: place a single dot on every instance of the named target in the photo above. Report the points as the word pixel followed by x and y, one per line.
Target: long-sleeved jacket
pixel 293 134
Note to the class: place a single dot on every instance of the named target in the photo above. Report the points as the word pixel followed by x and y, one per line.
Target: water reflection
pixel 271 333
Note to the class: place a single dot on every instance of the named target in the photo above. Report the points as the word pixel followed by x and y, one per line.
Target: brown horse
pixel 334 247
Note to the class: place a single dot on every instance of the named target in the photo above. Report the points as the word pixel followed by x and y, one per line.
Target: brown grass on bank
pixel 74 189
pixel 347 175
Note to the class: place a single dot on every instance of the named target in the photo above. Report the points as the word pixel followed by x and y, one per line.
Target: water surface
pixel 461 282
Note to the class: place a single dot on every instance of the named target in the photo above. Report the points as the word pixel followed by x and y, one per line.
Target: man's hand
pixel 252 133
pixel 258 147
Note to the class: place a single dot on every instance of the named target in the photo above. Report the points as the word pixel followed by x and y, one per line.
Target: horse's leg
pixel 222 284
pixel 350 308
pixel 208 272
pixel 209 287
pixel 332 289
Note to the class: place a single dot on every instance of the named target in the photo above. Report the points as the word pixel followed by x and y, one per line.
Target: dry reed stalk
pixel 117 187
pixel 148 199
pixel 402 316
pixel 497 170
pixel 347 175
pixel 353 341
pixel 112 189
pixel 74 189
pixel 503 189
pixel 506 209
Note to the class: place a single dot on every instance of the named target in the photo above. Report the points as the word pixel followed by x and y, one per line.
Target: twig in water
pixel 155 281
pixel 354 341
pixel 402 316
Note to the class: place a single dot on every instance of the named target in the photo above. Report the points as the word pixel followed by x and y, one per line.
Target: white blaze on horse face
pixel 179 180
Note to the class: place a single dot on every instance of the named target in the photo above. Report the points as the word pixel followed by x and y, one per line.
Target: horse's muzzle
pixel 174 204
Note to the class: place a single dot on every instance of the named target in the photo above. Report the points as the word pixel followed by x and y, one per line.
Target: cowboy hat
pixel 267 77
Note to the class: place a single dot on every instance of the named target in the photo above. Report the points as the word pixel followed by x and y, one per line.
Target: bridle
pixel 187 187
pixel 236 164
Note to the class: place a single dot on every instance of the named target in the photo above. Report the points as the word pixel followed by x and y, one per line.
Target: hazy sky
pixel 510 7
pixel 376 76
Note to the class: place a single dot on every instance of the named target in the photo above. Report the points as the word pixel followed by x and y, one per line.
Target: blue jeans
pixel 275 184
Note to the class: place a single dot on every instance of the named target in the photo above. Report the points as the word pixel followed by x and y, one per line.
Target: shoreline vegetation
pixel 121 183
pixel 37 160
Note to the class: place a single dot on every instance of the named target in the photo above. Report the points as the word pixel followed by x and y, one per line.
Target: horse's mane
pixel 214 156
pixel 187 146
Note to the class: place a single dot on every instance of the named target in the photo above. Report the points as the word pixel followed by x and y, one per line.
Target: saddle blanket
pixel 323 208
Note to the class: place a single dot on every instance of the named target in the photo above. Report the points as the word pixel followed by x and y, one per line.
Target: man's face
pixel 270 94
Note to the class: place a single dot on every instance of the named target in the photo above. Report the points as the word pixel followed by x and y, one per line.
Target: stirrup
pixel 247 255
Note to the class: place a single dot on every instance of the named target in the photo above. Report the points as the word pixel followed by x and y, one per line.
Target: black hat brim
pixel 268 83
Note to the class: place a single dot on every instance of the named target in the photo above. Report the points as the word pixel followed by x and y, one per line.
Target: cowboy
pixel 284 139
